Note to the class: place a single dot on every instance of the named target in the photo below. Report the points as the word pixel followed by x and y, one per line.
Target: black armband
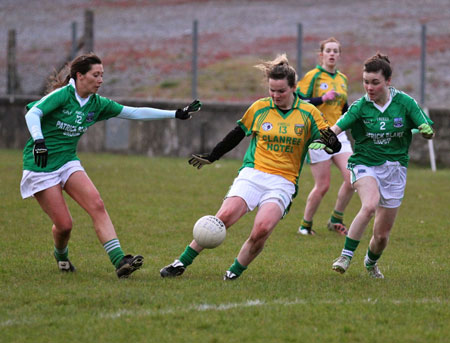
pixel 231 140
pixel 313 101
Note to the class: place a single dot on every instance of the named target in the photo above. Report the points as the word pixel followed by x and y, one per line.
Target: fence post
pixel 299 49
pixel 88 31
pixel 422 64
pixel 194 93
pixel 422 91
pixel 74 49
pixel 13 86
pixel 194 58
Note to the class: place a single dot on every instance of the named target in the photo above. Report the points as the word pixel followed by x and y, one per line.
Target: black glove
pixel 199 160
pixel 329 138
pixel 40 153
pixel 185 112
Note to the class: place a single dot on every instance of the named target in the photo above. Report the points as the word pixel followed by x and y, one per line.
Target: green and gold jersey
pixel 317 82
pixel 280 141
pixel 63 123
pixel 382 136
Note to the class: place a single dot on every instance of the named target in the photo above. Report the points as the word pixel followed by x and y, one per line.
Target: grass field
pixel 288 294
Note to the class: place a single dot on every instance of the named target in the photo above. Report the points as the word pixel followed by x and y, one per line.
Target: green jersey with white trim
pixel 382 134
pixel 63 123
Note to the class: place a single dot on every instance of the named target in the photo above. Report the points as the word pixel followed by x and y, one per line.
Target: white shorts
pixel 33 182
pixel 257 188
pixel 391 180
pixel 316 156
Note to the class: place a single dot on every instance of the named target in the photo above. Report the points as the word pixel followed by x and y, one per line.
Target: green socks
pixel 114 251
pixel 189 254
pixel 112 247
pixel 337 217
pixel 349 247
pixel 61 254
pixel 187 257
pixel 371 258
pixel 237 268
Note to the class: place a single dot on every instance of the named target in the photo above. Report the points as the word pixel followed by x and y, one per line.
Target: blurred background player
pixel 326 88
pixel 281 126
pixel 50 162
pixel 381 124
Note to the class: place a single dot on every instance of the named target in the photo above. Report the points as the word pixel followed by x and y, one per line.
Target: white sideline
pixel 257 302
pixel 230 306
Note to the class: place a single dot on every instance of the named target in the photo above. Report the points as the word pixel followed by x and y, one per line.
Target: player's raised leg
pixel 230 212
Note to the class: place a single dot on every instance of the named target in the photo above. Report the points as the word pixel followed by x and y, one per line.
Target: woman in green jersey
pixel 381 124
pixel 282 127
pixel 326 88
pixel 50 162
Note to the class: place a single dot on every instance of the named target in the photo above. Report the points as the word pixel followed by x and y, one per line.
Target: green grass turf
pixel 288 294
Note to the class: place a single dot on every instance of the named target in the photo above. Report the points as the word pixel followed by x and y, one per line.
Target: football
pixel 209 232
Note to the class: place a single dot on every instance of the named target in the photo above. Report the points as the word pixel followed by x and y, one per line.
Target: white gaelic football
pixel 209 232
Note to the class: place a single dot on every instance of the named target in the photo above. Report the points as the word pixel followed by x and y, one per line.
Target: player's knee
pixel 97 205
pixel 381 238
pixel 322 188
pixel 348 185
pixel 368 210
pixel 226 216
pixel 260 232
pixel 63 226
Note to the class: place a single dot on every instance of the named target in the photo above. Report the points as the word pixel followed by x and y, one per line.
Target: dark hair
pixel 379 62
pixel 81 64
pixel 279 69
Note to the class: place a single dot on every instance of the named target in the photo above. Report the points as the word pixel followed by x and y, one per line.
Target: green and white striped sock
pixel 371 259
pixel 114 251
pixel 350 246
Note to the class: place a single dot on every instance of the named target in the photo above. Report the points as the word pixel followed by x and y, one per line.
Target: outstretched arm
pixel 145 113
pixel 149 113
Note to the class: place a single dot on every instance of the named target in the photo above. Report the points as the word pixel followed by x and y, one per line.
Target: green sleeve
pixel 109 108
pixel 51 102
pixel 417 115
pixel 351 116
pixel 30 105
